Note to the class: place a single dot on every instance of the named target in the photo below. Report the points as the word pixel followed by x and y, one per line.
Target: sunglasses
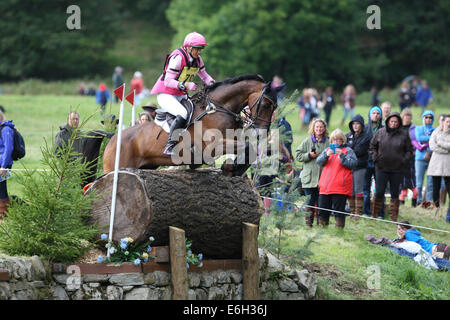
pixel 428 117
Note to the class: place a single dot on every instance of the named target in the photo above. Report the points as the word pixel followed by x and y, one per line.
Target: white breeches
pixel 172 104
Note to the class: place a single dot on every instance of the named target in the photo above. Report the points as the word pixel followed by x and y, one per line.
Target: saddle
pixel 165 119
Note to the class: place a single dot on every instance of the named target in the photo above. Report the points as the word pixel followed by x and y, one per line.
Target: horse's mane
pixel 234 80
pixel 201 95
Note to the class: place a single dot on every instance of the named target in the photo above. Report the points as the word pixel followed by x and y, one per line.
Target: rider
pixel 172 86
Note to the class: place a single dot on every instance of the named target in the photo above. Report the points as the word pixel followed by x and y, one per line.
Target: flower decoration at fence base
pixel 127 251
pixel 192 258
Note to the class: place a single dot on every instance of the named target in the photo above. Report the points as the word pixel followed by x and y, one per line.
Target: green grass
pixel 345 259
pixel 38 119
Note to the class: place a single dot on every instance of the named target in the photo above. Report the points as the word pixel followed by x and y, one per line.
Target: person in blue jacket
pixel 437 249
pixel 102 96
pixel 424 96
pixel 423 134
pixel 6 162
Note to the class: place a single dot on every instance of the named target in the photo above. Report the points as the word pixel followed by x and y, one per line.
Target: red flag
pixel 130 98
pixel 119 92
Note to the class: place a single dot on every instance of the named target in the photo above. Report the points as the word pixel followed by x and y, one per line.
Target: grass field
pixel 342 260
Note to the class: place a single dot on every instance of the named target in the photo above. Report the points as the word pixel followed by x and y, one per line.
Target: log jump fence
pixel 172 259
pixel 219 214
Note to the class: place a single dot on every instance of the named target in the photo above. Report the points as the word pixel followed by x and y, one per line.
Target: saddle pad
pixel 163 124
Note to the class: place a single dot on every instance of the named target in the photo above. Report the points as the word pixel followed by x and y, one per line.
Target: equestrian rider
pixel 172 86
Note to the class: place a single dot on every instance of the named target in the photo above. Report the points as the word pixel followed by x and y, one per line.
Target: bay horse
pixel 142 145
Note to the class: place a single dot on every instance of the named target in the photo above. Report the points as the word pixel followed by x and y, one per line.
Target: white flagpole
pixel 116 170
pixel 133 117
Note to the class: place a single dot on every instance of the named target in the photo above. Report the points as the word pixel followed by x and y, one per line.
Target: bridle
pixel 214 106
pixel 257 103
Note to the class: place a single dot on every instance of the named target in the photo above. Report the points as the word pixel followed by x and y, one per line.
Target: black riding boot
pixel 178 123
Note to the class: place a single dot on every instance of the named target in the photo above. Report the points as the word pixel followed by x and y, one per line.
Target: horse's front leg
pixel 245 155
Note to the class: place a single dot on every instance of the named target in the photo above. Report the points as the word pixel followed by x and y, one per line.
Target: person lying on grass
pixel 406 232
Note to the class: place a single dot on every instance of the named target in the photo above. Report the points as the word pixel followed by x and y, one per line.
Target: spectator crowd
pixel 103 95
pixel 382 155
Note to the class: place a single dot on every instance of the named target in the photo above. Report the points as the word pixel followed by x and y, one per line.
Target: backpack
pixel 19 145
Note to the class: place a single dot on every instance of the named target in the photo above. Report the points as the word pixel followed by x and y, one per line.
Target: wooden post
pixel 178 263
pixel 250 261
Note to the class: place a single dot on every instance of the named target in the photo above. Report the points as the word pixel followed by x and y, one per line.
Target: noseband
pixel 257 104
pixel 213 106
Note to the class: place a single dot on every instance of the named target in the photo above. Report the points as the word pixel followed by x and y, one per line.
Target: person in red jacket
pixel 336 179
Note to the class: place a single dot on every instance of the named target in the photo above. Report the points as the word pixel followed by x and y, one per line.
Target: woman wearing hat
pixel 180 68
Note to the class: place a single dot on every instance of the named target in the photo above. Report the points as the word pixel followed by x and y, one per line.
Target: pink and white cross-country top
pixel 180 66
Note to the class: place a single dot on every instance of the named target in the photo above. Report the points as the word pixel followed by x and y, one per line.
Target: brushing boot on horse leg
pixel 178 123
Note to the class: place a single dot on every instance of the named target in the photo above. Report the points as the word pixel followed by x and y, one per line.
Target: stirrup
pixel 168 151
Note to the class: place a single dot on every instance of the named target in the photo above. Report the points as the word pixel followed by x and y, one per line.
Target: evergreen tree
pixel 51 219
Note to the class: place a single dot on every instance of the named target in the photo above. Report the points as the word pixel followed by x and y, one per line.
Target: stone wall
pixel 31 279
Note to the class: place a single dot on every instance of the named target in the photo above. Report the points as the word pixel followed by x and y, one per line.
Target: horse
pixel 91 144
pixel 217 106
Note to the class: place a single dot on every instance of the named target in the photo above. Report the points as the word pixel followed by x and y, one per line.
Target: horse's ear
pixel 268 87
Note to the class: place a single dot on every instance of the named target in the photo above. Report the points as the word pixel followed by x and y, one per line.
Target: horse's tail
pixel 101 134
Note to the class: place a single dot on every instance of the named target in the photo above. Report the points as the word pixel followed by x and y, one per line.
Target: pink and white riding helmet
pixel 195 40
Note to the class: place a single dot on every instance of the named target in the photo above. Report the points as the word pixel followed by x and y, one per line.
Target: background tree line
pixel 307 42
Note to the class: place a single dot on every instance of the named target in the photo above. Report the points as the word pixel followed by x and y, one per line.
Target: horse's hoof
pixel 228 173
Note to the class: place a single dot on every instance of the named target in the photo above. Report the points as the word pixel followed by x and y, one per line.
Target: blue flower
pixel 104 236
pixel 187 265
pixel 146 260
pixel 149 249
pixel 137 262
pixel 100 259
pixel 123 245
pixel 189 252
pixel 200 256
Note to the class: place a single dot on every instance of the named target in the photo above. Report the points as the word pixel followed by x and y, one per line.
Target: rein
pixel 213 106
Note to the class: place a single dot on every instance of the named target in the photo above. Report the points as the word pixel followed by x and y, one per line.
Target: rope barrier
pixel 305 206
pixel 356 215
pixel 29 169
